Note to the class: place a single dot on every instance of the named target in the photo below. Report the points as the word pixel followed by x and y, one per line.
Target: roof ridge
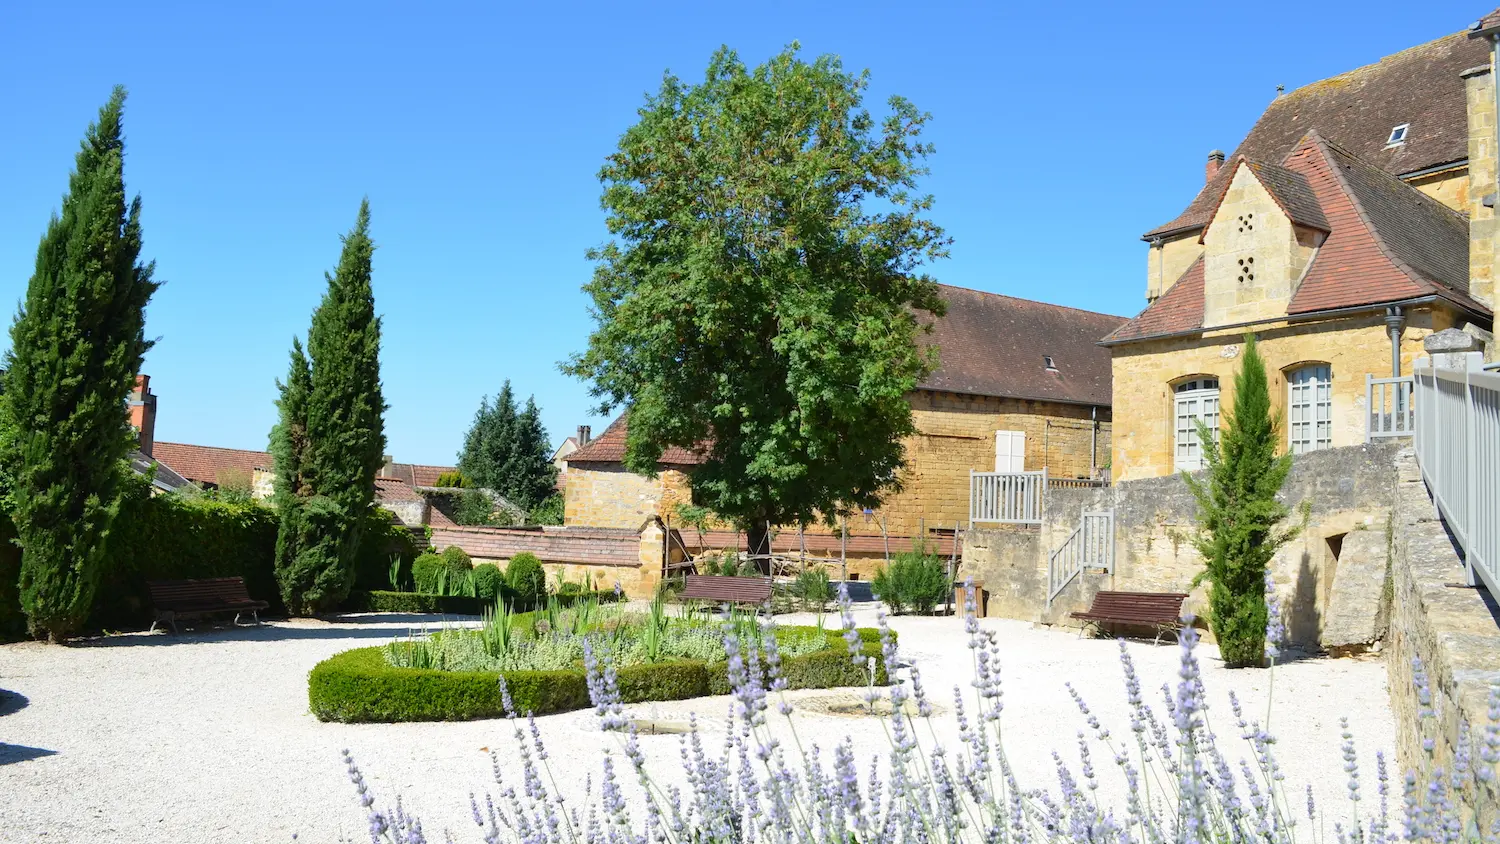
pixel 1030 301
pixel 1304 88
pixel 214 447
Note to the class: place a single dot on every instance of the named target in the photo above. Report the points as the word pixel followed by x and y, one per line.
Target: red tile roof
pixel 1387 242
pixel 994 345
pixel 609 447
pixel 1421 86
pixel 1179 309
pixel 395 489
pixel 203 463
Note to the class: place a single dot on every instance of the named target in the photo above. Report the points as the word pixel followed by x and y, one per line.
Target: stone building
pixel 1020 385
pixel 1355 219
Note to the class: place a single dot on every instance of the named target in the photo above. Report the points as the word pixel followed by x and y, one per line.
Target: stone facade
pixel 1167 260
pixel 1479 92
pixel 955 435
pixel 1332 493
pixel 1353 347
pixel 1253 256
pixel 610 496
pixel 1451 630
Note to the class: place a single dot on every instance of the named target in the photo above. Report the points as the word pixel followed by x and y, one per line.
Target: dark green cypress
pixel 506 451
pixel 1239 515
pixel 345 434
pixel 289 450
pixel 529 475
pixel 76 347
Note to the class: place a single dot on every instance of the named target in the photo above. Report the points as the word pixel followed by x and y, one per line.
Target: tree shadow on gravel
pixel 11 753
pixel 390 626
pixel 12 702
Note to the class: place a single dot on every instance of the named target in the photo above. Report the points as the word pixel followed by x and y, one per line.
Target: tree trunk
pixel 758 537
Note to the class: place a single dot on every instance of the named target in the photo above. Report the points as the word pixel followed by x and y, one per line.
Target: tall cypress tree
pixel 76 347
pixel 1238 514
pixel 289 450
pixel 530 475
pixel 345 434
pixel 506 450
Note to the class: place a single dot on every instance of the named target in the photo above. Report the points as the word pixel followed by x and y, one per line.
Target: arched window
pixel 1195 400
pixel 1309 408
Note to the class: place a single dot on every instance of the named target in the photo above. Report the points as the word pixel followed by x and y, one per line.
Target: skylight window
pixel 1398 135
pixel 1047 359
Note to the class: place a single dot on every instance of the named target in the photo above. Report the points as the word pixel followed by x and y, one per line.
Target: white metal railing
pixel 1090 545
pixel 1391 410
pixel 1458 449
pixel 1007 497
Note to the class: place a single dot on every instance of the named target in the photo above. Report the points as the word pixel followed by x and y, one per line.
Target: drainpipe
pixel 1161 263
pixel 1093 442
pixel 1395 320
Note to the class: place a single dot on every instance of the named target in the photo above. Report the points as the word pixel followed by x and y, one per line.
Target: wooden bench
pixel 185 599
pixel 1161 610
pixel 727 590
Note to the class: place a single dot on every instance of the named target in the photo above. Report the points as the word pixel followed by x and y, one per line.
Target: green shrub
pixel 360 686
pixel 457 561
pixel 416 602
pixel 384 537
pixel 526 576
pixel 812 588
pixel 424 572
pixel 473 507
pixel 917 579
pixel 452 480
pixel 489 584
pixel 549 512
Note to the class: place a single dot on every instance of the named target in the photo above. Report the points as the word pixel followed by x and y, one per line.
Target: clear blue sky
pixel 1063 131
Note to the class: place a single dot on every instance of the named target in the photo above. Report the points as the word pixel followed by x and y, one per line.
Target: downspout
pixel 1093 442
pixel 1395 320
pixel 1160 246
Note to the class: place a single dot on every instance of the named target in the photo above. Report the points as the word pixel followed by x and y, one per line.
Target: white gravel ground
pixel 205 737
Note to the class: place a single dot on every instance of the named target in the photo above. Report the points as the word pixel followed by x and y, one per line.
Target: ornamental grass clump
pixel 1185 783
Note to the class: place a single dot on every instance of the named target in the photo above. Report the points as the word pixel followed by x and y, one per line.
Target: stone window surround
pixel 1323 386
pixel 1194 392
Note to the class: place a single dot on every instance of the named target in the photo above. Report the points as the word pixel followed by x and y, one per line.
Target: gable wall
pixel 1253 255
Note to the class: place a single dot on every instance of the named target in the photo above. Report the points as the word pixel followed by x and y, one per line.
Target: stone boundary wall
pixel 1331 493
pixel 1454 631
pixel 592 546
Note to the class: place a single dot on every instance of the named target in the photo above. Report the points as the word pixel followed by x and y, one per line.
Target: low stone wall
pixel 632 558
pixel 1331 493
pixel 1454 631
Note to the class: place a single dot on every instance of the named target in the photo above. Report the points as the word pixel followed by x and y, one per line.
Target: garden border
pixel 359 685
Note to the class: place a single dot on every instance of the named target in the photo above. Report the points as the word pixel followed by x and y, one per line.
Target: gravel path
pixel 206 737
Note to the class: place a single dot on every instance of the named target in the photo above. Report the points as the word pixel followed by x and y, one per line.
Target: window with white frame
pixel 1310 408
pixel 1194 401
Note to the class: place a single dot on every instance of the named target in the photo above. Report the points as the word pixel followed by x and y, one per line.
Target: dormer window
pixel 1398 135
pixel 1047 361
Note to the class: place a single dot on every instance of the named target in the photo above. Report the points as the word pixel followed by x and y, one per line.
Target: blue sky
pixel 1063 131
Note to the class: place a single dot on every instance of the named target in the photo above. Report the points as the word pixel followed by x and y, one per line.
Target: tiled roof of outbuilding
pixel 203 463
pixel 609 447
pixel 994 345
pixel 1179 309
pixel 1422 87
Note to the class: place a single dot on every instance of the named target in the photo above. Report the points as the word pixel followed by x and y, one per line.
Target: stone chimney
pixel 142 410
pixel 387 466
pixel 1211 169
pixel 584 435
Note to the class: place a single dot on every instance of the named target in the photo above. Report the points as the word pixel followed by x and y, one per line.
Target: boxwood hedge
pixel 359 685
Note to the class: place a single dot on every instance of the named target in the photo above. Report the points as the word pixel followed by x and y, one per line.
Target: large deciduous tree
pixel 506 450
pixel 761 299
pixel 1239 514
pixel 76 346
pixel 330 476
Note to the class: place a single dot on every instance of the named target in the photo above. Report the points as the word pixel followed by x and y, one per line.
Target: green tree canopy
pixel 330 478
pixel 76 346
pixel 761 296
pixel 1238 512
pixel 506 450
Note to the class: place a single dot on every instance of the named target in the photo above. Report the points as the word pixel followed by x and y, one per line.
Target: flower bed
pixel 362 685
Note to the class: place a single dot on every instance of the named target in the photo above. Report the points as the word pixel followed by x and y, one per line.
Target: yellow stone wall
pixel 1450 187
pixel 1253 255
pixel 602 495
pixel 1480 91
pixel 1166 263
pixel 956 434
pixel 1145 372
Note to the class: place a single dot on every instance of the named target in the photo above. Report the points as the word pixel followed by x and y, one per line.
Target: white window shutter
pixel 1010 451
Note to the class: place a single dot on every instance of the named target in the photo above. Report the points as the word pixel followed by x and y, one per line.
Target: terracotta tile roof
pixel 1421 86
pixel 994 345
pixel 1485 24
pixel 1179 309
pixel 609 447
pixel 203 463
pixel 1292 192
pixel 1389 241
pixel 395 489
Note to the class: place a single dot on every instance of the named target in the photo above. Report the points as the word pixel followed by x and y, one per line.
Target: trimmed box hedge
pixel 424 602
pixel 360 686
